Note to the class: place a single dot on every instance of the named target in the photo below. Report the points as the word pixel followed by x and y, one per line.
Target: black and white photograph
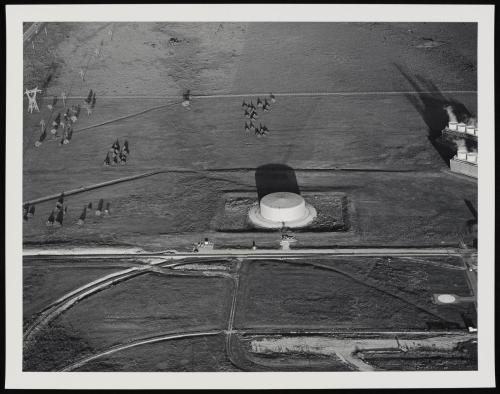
pixel 232 195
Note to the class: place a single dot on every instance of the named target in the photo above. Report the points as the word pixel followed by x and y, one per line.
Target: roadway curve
pixel 140 342
pixel 272 332
pixel 71 298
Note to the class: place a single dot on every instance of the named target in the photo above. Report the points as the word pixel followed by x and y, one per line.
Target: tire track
pixel 70 299
pixel 285 94
pixel 140 342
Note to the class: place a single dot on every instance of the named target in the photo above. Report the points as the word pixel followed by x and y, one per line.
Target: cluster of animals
pixel 98 212
pixel 251 113
pixel 28 211
pixel 117 154
pixel 64 121
pixel 57 214
pixel 56 217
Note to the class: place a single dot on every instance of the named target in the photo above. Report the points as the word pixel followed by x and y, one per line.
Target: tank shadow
pixel 273 178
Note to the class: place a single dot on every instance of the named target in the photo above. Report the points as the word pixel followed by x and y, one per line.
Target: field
pixel 395 295
pixel 43 285
pixel 146 306
pixel 358 114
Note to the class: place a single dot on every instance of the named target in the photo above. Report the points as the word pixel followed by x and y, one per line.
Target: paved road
pixel 248 253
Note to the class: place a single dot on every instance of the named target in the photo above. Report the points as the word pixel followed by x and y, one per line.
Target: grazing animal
pixel 99 207
pixel 83 215
pixel 31 211
pixel 259 103
pixel 74 116
pixel 50 219
pixel 57 120
pixel 69 134
pixel 107 162
pixel 54 102
pixel 273 98
pixel 60 201
pixel 88 100
pixel 60 217
pixel 41 138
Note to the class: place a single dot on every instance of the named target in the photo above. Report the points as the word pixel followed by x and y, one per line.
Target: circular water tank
pixel 282 207
pixel 446 298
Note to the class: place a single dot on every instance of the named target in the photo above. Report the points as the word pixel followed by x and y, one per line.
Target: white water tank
pixel 283 207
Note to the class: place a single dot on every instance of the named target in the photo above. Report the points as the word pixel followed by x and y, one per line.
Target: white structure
pixel 32 99
pixel 472 157
pixel 462 153
pixel 470 130
pixel 282 209
pixel 453 126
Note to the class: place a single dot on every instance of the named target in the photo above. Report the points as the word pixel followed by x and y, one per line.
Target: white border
pixel 15 15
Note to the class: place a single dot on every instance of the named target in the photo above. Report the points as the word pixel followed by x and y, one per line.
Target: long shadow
pixel 471 207
pixel 472 223
pixel 430 104
pixel 273 178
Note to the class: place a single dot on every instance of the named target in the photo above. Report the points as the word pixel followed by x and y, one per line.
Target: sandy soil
pixel 360 353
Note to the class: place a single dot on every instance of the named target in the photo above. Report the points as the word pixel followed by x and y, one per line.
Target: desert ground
pixel 358 113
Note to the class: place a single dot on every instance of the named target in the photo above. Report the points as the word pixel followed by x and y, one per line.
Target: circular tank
pixel 446 298
pixel 282 207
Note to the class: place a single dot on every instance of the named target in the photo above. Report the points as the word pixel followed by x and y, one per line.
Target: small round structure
pixel 446 298
pixel 280 209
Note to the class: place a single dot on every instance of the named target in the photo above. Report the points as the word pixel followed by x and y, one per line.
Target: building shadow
pixel 471 225
pixel 273 178
pixel 430 103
